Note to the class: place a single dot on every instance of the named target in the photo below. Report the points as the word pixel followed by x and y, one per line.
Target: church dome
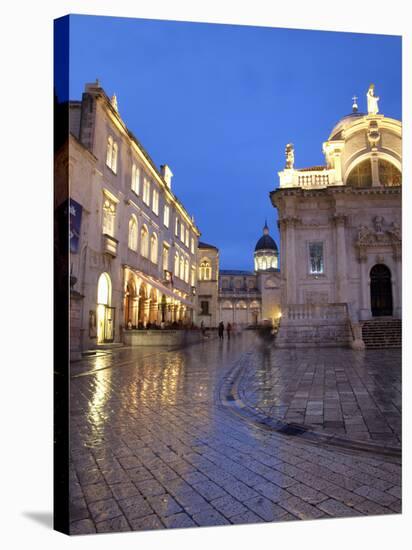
pixel 266 252
pixel 266 243
pixel 343 123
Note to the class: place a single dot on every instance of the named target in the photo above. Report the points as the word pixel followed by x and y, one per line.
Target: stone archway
pixel 381 291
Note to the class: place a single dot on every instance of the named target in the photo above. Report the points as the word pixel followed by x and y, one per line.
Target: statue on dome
pixel 373 108
pixel 290 156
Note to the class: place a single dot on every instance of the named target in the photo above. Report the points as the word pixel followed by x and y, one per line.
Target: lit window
pixel 135 179
pixel 146 191
pixel 176 266
pixel 316 263
pixel 205 271
pixel 114 157
pixel 165 258
pixel 193 276
pixel 186 271
pixel 182 233
pixel 166 215
pixel 182 268
pixel 144 242
pixel 187 237
pixel 177 226
pixel 111 154
pixel 133 233
pixel 192 246
pixel 109 217
pixel 109 151
pixel 153 248
pixel 155 201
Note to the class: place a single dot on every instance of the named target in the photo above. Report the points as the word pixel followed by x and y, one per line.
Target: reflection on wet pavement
pixel 333 391
pixel 152 447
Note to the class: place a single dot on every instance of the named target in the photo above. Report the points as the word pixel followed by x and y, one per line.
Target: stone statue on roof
pixel 372 99
pixel 290 156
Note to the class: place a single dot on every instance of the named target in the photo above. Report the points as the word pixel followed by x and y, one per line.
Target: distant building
pixel 340 237
pixel 133 245
pixel 243 298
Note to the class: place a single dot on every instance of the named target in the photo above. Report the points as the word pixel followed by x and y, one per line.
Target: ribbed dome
pixel 266 243
pixel 344 122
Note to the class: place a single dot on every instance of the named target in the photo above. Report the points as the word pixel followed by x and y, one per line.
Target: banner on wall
pixel 75 221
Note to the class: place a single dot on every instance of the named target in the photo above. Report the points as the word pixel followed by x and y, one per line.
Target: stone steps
pixel 382 333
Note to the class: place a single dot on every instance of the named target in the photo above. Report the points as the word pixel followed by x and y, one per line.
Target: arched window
pixel 135 179
pixel 111 154
pixel 182 268
pixel 227 305
pixel 389 175
pixel 186 271
pixel 241 305
pixel 205 271
pixel 153 248
pixel 144 242
pixel 104 290
pixel 109 151
pixel 114 157
pixel 133 233
pixel 176 266
pixel 361 175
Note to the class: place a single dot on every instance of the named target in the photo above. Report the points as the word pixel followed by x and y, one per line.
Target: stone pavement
pixel 153 447
pixel 339 391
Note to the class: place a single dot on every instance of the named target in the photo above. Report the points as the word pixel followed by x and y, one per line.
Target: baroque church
pixel 340 245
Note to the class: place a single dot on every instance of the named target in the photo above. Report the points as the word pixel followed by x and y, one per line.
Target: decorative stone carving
pixel 290 156
pixel 372 100
pixel 380 235
pixel 373 134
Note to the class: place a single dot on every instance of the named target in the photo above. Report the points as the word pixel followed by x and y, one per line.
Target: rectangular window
pixel 316 261
pixel 177 226
pixel 146 191
pixel 166 215
pixel 187 237
pixel 155 201
pixel 192 246
pixel 204 306
pixel 182 233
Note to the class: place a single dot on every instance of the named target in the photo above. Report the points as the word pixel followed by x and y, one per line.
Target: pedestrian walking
pixel 228 330
pixel 221 330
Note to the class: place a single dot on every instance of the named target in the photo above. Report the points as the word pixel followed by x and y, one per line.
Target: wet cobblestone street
pixel 153 446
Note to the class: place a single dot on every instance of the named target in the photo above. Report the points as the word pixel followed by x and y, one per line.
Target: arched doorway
pixel 105 313
pixel 381 291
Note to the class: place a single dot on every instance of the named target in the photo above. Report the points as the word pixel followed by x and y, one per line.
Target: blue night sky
pixel 218 103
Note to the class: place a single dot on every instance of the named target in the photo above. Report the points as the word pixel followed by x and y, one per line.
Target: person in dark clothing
pixel 229 330
pixel 221 330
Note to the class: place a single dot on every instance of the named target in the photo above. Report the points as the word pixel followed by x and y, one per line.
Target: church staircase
pixel 383 332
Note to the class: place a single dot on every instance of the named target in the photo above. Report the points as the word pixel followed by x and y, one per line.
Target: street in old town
pixel 231 432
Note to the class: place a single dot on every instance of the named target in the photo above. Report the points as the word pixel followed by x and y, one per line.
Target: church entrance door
pixel 381 291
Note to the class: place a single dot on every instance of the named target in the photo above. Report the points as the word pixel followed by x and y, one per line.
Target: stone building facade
pixel 340 231
pixel 133 245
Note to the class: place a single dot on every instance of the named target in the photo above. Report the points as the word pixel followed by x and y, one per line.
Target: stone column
pixel 341 259
pixel 364 312
pixel 375 170
pixel 398 266
pixel 287 227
